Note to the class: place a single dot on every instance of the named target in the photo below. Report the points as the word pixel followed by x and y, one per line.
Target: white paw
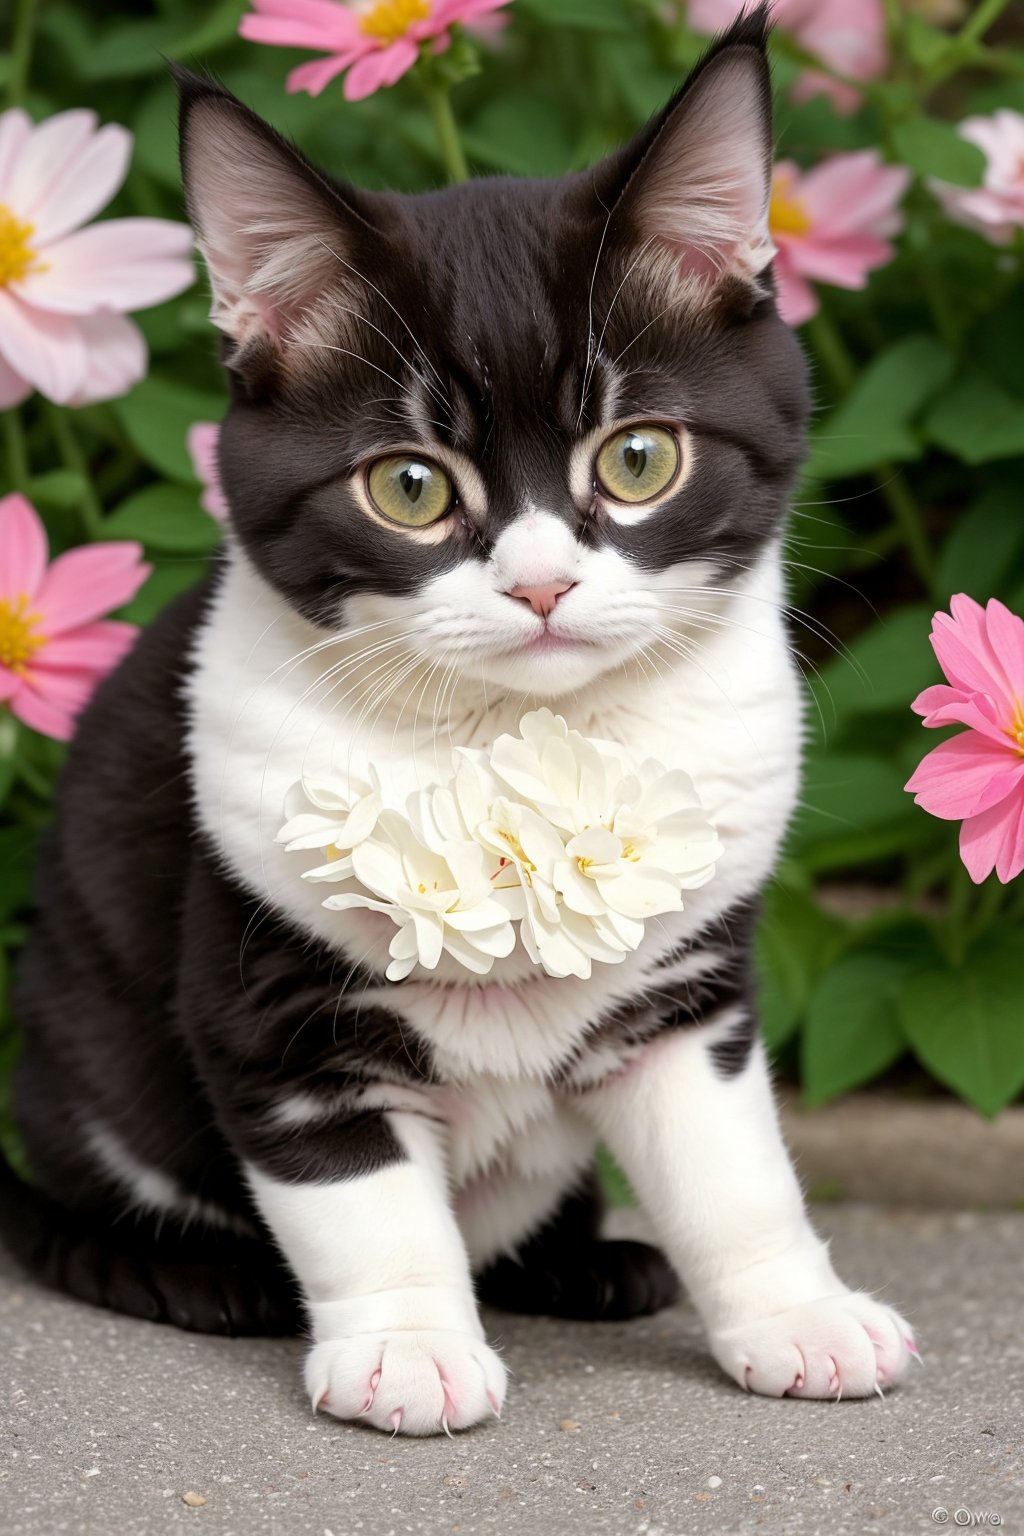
pixel 416 1383
pixel 840 1346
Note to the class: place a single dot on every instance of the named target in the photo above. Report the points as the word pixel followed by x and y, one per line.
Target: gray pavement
pixel 108 1424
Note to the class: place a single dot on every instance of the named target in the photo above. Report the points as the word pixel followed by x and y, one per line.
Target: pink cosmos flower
pixel 201 441
pixel 64 290
pixel 978 776
pixel 831 224
pixel 377 41
pixel 996 208
pixel 55 647
pixel 847 35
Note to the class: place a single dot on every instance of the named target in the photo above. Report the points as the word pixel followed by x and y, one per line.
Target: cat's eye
pixel 638 463
pixel 408 490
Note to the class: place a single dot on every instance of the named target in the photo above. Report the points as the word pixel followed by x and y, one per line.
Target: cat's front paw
pixel 409 1382
pixel 841 1346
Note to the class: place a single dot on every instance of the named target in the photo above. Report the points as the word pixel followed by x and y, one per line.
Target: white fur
pixel 386 1279
pixel 711 690
pixel 779 1318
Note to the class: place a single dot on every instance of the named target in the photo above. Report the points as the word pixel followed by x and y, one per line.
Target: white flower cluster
pixel 552 831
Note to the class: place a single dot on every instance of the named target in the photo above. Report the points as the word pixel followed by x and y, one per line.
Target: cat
pixel 508 442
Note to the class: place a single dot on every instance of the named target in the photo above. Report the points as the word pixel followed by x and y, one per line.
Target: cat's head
pixel 517 417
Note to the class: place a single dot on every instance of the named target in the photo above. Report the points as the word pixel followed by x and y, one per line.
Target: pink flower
pixel 54 645
pixel 996 208
pixel 201 441
pixel 831 224
pixel 847 35
pixel 64 290
pixel 978 776
pixel 377 41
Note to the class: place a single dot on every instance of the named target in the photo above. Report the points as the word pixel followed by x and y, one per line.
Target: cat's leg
pixel 697 1134
pixel 397 1338
pixel 561 1266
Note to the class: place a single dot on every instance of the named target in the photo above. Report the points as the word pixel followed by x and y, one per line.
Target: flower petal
pixel 96 648
pixel 15 128
pixel 47 350
pixel 86 183
pixel 995 841
pixel 13 388
pixel 965 776
pixel 379 69
pixel 116 357
pixel 36 711
pixel 23 548
pixel 43 159
pixel 87 583
pixel 121 264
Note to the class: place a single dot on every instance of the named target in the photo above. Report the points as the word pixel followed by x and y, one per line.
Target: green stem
pixel 440 103
pixel 987 14
pixel 30 775
pixel 834 356
pixel 71 453
pixel 21 50
pixel 18 468
pixel 961 899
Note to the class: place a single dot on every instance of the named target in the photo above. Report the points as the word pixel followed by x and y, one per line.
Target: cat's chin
pixel 551 672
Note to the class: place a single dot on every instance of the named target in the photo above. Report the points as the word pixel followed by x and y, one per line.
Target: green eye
pixel 409 491
pixel 638 463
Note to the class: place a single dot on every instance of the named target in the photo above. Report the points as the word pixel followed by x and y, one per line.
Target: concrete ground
pixel 119 1428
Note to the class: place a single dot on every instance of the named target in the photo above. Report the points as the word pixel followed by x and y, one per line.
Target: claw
pixel 495 1405
pixel 444 1426
pixel 396 1419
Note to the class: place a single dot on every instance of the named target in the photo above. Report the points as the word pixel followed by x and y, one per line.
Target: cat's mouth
pixel 547 641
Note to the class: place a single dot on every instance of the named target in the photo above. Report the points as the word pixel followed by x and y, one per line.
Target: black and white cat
pixel 506 442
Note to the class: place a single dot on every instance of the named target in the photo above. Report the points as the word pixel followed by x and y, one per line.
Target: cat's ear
pixel 271 229
pixel 699 196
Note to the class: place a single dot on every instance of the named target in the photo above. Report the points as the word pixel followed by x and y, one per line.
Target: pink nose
pixel 543 599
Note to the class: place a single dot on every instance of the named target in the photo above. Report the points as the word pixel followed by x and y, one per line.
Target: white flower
pixel 333 817
pixel 551 830
pixel 438 901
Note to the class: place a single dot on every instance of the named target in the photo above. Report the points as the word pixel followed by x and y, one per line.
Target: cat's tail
pixel 205 1279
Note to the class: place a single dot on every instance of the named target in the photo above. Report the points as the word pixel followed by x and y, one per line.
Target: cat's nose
pixel 542 599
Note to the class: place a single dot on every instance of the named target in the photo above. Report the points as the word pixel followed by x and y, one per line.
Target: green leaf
pixel 885 668
pixel 847 793
pixel 932 147
pixel 795 941
pixel 873 424
pixel 169 579
pixel 965 1023
pixel 589 15
pixel 165 517
pixel 981 548
pixel 126 51
pixel 59 489
pixel 17 865
pixel 156 416
pixel 976 420
pixel 522 132
pixel 853 1033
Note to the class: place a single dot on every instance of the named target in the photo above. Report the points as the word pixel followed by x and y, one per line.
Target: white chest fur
pixel 271 698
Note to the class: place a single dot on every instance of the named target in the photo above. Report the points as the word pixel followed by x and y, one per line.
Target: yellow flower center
pixel 787 212
pixel 18 640
pixel 1016 731
pixel 16 253
pixel 526 865
pixel 389 20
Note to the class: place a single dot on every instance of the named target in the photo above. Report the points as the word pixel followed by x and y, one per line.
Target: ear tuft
pixel 700 194
pixel 267 223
